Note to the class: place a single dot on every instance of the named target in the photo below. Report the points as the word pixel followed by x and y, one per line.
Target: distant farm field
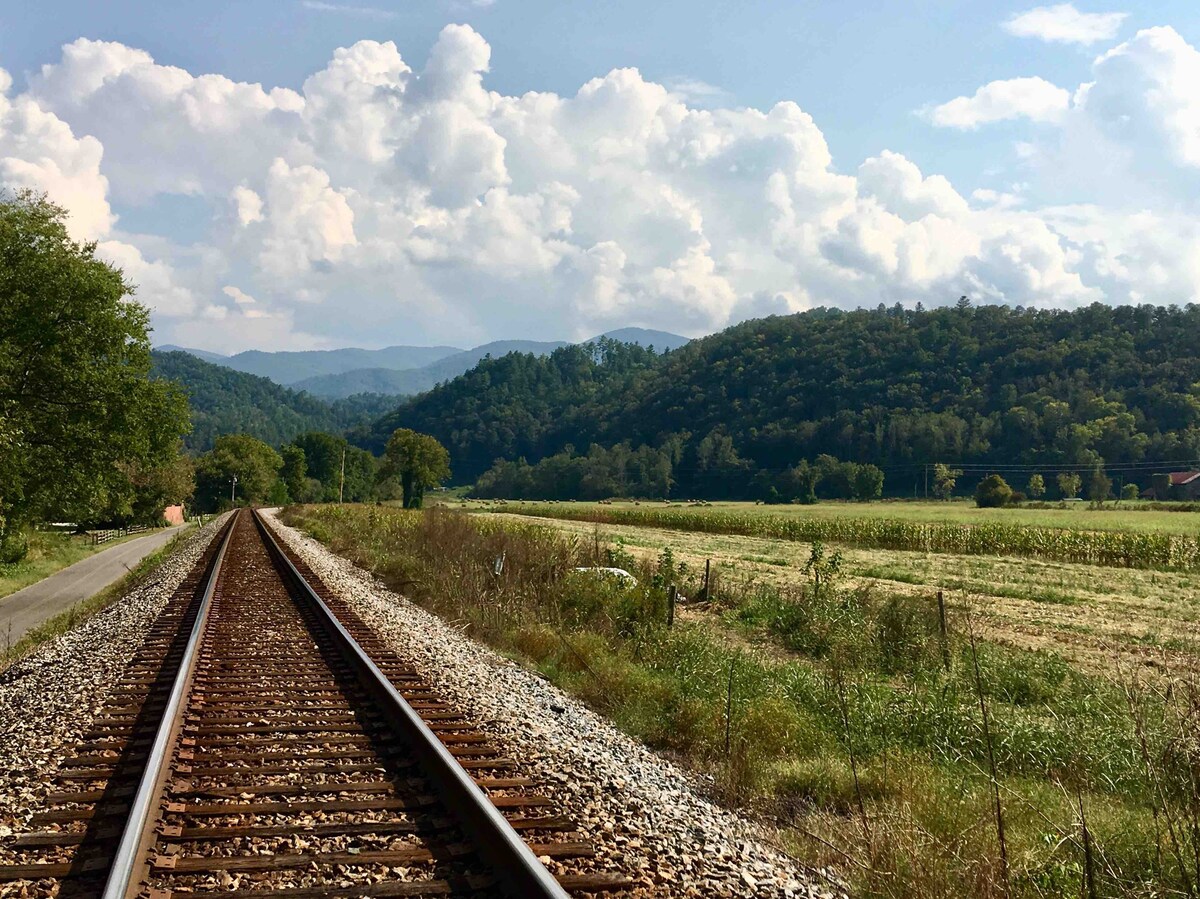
pixel 1121 548
pixel 1135 517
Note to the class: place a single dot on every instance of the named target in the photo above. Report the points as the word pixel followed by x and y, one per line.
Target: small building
pixel 1179 485
pixel 173 514
pixel 1185 485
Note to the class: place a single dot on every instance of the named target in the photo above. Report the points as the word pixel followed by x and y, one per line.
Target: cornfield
pixel 1120 549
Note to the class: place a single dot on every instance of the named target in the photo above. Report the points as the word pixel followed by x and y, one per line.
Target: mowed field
pixel 1137 516
pixel 1103 619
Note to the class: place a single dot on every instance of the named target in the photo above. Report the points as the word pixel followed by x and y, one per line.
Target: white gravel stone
pixel 648 818
pixel 49 699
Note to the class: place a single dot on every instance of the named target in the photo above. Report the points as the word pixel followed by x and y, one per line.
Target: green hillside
pixel 224 401
pixel 987 386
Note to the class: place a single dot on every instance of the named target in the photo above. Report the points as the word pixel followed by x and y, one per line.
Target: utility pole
pixel 342 481
pixel 233 490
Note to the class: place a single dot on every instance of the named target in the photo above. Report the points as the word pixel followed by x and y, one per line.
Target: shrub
pixel 993 492
pixel 13 547
pixel 827 783
pixel 906 631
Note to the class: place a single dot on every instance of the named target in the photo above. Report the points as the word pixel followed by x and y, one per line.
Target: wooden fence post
pixel 729 705
pixel 942 630
pixel 672 594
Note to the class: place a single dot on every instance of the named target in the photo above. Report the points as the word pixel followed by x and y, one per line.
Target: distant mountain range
pixel 396 370
pixel 287 368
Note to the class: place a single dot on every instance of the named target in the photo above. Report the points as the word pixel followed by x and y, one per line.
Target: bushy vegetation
pixel 320 467
pixel 601 473
pixel 896 388
pixel 845 713
pixel 238 469
pixel 649 472
pixel 1123 549
pixel 993 492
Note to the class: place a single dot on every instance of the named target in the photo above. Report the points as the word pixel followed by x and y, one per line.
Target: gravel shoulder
pixel 49 699
pixel 647 817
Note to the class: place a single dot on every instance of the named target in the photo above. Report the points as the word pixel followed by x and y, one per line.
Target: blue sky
pixel 868 74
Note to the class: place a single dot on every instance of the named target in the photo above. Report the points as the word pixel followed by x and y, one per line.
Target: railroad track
pixel 263 742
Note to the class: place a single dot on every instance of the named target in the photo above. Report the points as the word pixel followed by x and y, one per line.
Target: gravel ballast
pixel 647 818
pixel 49 698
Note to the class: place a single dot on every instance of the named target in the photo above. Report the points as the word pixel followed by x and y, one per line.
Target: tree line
pixel 317 468
pixel 656 473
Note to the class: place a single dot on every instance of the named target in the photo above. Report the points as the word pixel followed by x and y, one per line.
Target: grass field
pixel 1098 617
pixel 49 552
pixel 812 689
pixel 1136 517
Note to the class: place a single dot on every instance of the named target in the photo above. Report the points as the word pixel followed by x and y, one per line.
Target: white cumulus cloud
pixel 389 201
pixel 1064 24
pixel 1147 90
pixel 1013 98
pixel 238 295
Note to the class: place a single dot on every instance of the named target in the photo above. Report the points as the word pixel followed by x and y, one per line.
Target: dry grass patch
pixel 1099 618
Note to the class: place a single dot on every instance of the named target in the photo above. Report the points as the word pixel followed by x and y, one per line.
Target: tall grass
pixel 832 710
pixel 1122 549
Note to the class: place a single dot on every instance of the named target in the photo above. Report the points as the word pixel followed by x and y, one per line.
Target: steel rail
pixel 519 871
pixel 123 880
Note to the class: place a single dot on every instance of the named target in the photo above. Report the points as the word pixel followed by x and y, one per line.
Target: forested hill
pixel 224 401
pixel 895 387
pixel 519 404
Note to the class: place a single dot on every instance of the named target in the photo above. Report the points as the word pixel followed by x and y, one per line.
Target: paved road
pixel 24 610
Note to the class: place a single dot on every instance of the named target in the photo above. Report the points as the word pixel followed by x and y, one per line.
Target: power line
pixel 977 467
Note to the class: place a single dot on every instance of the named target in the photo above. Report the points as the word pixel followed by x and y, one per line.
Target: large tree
pixel 77 409
pixel 343 471
pixel 417 461
pixel 944 480
pixel 154 487
pixel 255 465
pixel 300 487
